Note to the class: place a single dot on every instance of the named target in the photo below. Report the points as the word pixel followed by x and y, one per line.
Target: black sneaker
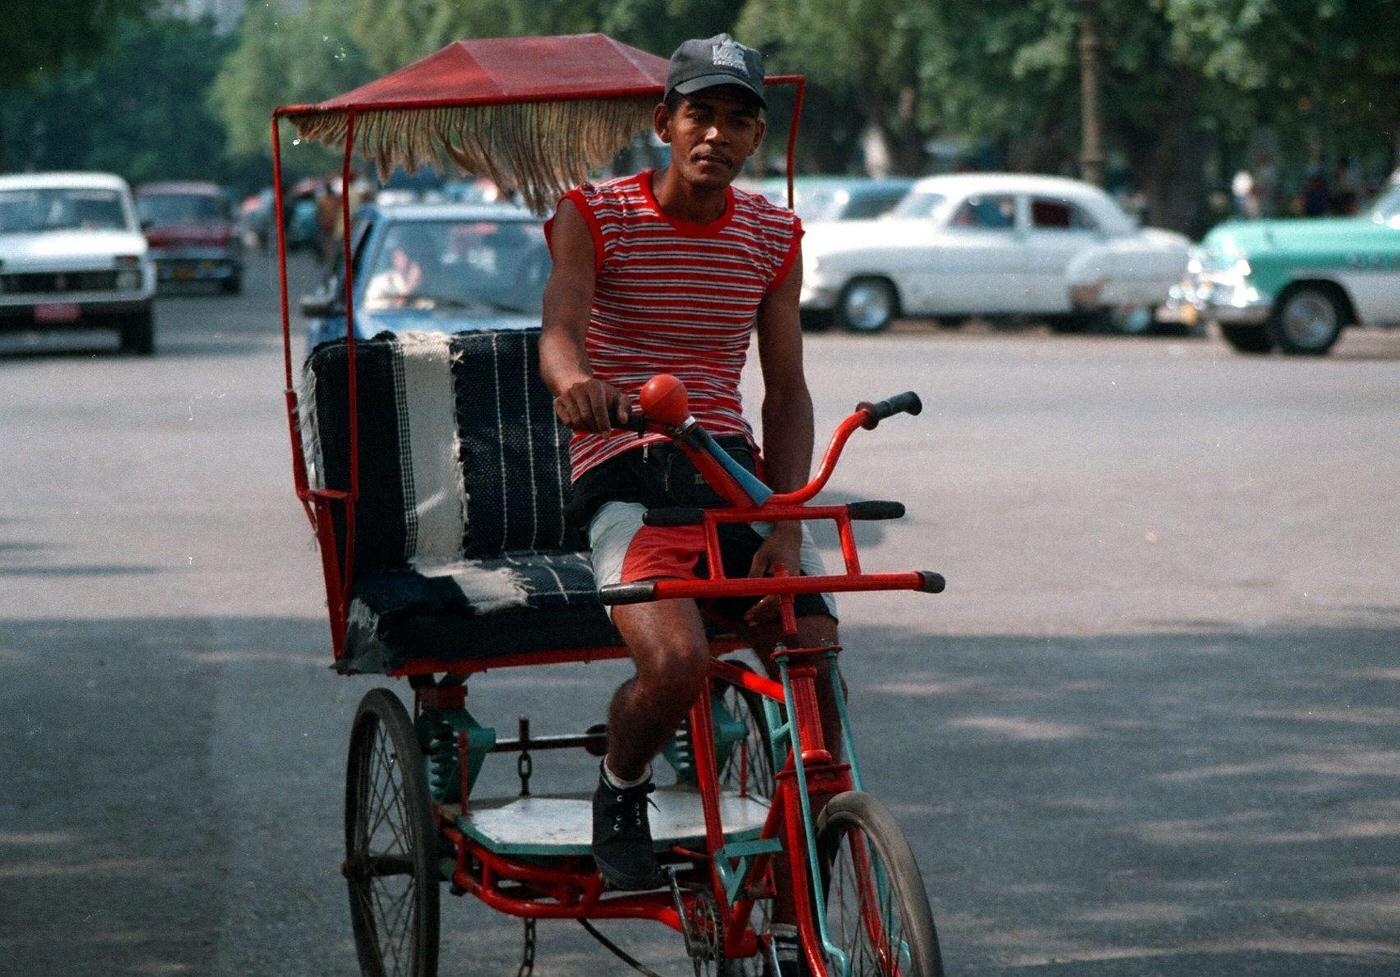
pixel 622 836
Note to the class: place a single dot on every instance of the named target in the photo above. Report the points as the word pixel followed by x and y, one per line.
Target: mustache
pixel 712 155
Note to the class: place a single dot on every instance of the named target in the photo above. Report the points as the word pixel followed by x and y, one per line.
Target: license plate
pixel 182 271
pixel 1189 315
pixel 57 312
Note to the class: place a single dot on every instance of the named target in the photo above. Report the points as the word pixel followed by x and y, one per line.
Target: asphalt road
pixel 1150 729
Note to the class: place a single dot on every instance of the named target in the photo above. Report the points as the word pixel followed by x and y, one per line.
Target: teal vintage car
pixel 1295 284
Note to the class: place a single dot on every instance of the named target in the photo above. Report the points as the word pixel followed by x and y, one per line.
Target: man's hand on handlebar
pixel 782 547
pixel 592 406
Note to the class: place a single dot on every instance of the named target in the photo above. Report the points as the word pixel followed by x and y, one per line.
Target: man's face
pixel 711 133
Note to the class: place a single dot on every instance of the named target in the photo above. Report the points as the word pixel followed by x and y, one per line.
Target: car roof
pixel 200 188
pixel 960 183
pixel 451 211
pixel 49 181
pixel 834 180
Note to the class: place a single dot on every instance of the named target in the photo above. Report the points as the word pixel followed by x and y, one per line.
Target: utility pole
pixel 1091 159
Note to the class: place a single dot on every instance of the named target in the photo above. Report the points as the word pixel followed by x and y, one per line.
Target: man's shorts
pixel 611 498
pixel 625 550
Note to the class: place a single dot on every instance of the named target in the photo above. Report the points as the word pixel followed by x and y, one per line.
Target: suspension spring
pixel 444 761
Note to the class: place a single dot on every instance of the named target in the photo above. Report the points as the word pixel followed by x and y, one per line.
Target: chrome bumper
pixel 1198 300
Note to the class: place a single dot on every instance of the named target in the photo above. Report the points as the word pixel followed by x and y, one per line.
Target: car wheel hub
pixel 868 306
pixel 1309 319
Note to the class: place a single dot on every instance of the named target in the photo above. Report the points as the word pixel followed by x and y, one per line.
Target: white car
pixel 72 256
pixel 991 244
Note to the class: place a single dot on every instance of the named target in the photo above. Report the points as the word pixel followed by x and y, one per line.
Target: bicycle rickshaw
pixel 433 472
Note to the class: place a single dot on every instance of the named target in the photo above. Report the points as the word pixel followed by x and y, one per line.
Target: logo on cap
pixel 727 54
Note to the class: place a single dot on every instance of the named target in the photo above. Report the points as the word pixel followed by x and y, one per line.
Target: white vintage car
pixel 993 244
pixel 72 256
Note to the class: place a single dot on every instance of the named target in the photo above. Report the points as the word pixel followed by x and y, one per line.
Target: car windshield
pixel 478 266
pixel 61 209
pixel 919 204
pixel 1387 209
pixel 168 209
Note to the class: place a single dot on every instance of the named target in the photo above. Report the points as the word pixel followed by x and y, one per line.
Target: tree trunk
pixel 1169 166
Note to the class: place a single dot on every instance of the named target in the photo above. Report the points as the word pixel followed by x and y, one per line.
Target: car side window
pixel 991 212
pixel 1060 215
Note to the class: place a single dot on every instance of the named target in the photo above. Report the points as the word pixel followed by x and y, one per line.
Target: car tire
pixel 1133 320
pixel 949 321
pixel 138 334
pixel 1307 320
pixel 234 285
pixel 1070 322
pixel 815 320
pixel 1247 339
pixel 867 305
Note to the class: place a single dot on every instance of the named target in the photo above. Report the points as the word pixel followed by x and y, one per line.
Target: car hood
pixel 175 234
pixel 1304 235
pixel 45 248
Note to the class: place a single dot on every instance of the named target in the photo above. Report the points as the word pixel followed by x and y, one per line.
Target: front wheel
pixel 1307 321
pixel 390 843
pixel 1247 339
pixel 138 333
pixel 867 305
pixel 877 912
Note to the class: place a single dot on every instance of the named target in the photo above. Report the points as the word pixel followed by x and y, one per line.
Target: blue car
pixel 436 268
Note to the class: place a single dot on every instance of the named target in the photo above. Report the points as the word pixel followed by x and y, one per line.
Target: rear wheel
pixel 1132 320
pixel 233 285
pixel 390 843
pixel 1247 339
pixel 138 333
pixel 1307 321
pixel 867 305
pixel 877 911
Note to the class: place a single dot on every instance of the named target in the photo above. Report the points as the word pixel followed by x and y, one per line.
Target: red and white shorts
pixel 627 550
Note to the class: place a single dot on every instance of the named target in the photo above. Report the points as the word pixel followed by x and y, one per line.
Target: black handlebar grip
pixel 875 510
pixel 628 593
pixel 673 516
pixel 933 582
pixel 905 403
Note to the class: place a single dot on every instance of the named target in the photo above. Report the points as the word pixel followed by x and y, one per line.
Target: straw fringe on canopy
pixel 541 149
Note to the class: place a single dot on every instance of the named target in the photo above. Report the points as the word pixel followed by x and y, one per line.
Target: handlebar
pixel 665 410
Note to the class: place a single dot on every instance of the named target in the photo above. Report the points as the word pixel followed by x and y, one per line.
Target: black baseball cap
pixel 713 61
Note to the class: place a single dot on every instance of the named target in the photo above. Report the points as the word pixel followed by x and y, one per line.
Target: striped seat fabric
pixel 461 549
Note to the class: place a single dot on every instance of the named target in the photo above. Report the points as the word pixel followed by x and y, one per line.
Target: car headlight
pixel 128 280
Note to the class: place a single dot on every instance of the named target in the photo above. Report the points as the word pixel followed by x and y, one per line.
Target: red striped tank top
pixel 675 297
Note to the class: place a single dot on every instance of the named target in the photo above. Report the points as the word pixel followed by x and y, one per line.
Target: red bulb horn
pixel 663 398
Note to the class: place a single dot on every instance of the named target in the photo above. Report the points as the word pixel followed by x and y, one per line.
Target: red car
pixel 191 233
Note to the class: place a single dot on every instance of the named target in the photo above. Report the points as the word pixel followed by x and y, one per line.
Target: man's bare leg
pixel 671 653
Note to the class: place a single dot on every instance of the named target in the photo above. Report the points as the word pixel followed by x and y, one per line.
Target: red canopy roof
pixel 512 69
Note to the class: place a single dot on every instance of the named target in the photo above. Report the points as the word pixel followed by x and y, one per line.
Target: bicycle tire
pixel 390 835
pixel 864 857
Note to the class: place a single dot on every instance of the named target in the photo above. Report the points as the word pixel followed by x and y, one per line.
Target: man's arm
pixel 787 423
pixel 581 400
pixel 787 404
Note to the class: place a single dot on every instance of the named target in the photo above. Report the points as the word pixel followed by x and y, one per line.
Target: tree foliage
pixel 42 38
pixel 138 110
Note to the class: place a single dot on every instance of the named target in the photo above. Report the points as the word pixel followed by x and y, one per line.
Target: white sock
pixel 785 946
pixel 616 781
